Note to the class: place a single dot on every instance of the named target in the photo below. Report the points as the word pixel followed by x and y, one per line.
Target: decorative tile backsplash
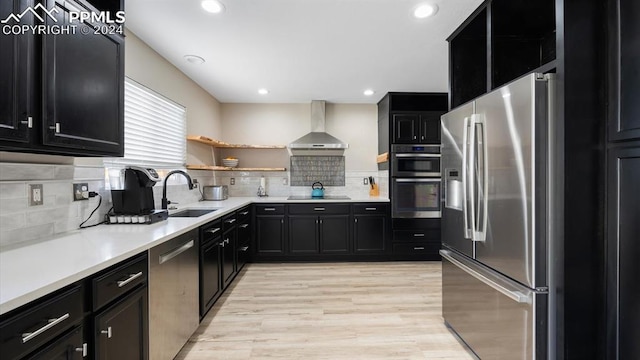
pixel 329 170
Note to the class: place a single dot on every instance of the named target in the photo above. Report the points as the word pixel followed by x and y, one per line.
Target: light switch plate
pixel 36 195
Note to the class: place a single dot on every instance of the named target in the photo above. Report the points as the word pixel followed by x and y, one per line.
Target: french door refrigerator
pixel 498 160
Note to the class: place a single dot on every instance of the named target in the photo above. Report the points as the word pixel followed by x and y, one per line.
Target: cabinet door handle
pixel 244 226
pixel 55 128
pixel 226 241
pixel 418 235
pixel 355 220
pixel 28 122
pixel 51 323
pixel 213 231
pixel 371 209
pixel 418 248
pixel 108 332
pixel 131 277
pixel 318 209
pixel 422 137
pixel 281 221
pixel 82 350
pixel 414 137
pixel 269 209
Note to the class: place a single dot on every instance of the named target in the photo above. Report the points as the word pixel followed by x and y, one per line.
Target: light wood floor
pixel 387 310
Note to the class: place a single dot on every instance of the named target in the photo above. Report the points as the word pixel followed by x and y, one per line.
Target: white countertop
pixel 31 271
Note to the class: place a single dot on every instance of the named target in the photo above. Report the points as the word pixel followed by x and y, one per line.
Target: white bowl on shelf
pixel 230 162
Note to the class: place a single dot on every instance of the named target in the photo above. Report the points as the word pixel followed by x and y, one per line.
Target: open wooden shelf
pixel 224 145
pixel 382 158
pixel 225 168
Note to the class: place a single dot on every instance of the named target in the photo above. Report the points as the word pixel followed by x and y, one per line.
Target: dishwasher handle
pixel 175 252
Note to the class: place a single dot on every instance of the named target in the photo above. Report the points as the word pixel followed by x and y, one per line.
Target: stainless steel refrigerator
pixel 498 161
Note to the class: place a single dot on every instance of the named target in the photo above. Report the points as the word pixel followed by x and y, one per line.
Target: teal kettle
pixel 317 190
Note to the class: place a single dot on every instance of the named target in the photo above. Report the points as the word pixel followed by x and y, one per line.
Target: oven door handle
pixel 417 155
pixel 417 180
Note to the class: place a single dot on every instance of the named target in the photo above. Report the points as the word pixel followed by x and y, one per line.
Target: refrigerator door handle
pixel 471 178
pixel 465 179
pixel 516 296
pixel 480 162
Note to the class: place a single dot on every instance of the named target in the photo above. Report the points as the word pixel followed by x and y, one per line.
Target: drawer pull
pixel 371 209
pixel 418 235
pixel 269 209
pixel 132 277
pixel 318 209
pixel 108 332
pixel 213 231
pixel 52 322
pixel 82 350
pixel 418 248
pixel 244 248
pixel 230 221
pixel 244 226
pixel 244 213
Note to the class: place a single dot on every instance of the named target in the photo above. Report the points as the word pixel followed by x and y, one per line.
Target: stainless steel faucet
pixel 165 202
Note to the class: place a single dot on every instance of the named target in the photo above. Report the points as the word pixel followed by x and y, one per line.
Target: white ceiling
pixel 303 50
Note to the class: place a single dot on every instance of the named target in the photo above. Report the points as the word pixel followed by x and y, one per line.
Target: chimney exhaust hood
pixel 317 139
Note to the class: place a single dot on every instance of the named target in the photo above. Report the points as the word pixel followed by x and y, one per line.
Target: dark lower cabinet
pixel 210 275
pixel 370 233
pixel 270 229
pixel 623 242
pixel 416 239
pixel 71 346
pixel 243 243
pixel 228 257
pixel 120 330
pixel 303 234
pixel 334 234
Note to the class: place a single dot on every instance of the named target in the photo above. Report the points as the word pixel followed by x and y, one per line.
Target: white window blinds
pixel 154 128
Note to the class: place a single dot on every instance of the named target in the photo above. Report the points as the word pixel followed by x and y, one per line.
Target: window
pixel 154 131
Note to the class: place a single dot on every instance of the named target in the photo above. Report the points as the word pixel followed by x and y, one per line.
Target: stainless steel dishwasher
pixel 173 295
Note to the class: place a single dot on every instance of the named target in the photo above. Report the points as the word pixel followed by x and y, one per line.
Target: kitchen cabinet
pixel 228 256
pixel 120 306
pixel 623 247
pixel 18 74
pixel 319 228
pixel 70 346
pixel 243 237
pixel 501 41
pixel 371 228
pixel 270 229
pixel 210 265
pixel 416 239
pixel 418 128
pixel 624 69
pixel 410 118
pixel 81 82
pixel 38 324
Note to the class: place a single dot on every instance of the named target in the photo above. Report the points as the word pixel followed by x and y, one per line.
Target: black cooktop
pixel 326 197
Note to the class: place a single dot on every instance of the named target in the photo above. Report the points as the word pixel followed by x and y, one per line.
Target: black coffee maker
pixel 137 196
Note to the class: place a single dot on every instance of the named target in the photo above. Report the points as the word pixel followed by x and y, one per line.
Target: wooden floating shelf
pixel 225 168
pixel 382 158
pixel 224 145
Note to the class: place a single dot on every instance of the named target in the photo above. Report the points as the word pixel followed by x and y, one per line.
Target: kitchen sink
pixel 192 212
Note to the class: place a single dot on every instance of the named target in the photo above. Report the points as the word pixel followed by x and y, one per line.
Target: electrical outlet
pixel 232 181
pixel 285 181
pixel 80 191
pixel 195 183
pixel 365 181
pixel 36 195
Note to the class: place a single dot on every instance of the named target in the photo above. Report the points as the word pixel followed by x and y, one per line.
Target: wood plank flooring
pixel 386 310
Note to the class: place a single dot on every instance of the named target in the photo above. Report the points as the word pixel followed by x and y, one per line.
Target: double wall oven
pixel 415 181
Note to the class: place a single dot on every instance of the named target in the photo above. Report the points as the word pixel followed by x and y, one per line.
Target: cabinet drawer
pixel 243 214
pixel 319 209
pixel 372 208
pixel 270 209
pixel 229 221
pixel 41 322
pixel 210 231
pixel 427 248
pixel 416 235
pixel 119 280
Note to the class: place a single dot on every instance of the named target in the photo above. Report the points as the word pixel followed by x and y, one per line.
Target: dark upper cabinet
pixel 501 41
pixel 623 241
pixel 63 93
pixel 17 78
pixel 624 69
pixel 420 128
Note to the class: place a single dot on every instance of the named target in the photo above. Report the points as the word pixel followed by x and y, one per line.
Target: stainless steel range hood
pixel 317 139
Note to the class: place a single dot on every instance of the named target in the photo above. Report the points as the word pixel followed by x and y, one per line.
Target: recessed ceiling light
pixel 369 92
pixel 425 10
pixel 194 59
pixel 212 6
pixel 263 91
